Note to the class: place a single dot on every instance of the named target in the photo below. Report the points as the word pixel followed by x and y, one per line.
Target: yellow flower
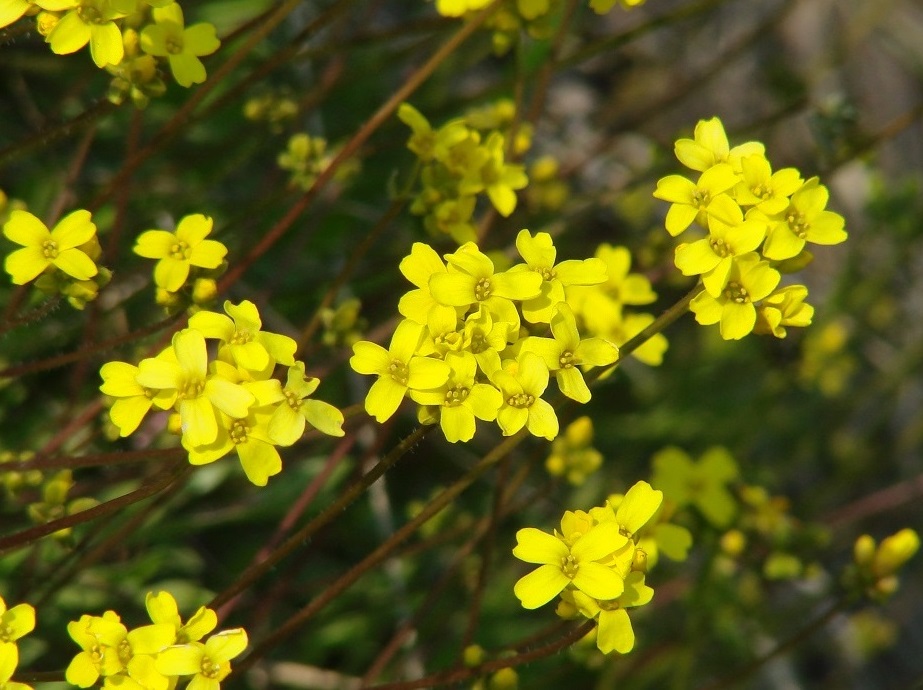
pixel 15 622
pixel 615 633
pixel 208 663
pixel 766 190
pixel 181 45
pixel 418 267
pixel 572 454
pixel 749 281
pixel 288 420
pixel 784 307
pixel 133 401
pixel 729 236
pixel 399 368
pixel 460 399
pixel 703 484
pixel 13 10
pixel 565 352
pixel 498 178
pixel 88 21
pixel 562 565
pixel 249 437
pixel 243 343
pixel 474 282
pixel 178 251
pixel 425 141
pixel 710 147
pixel 539 253
pixel 690 200
pixel 162 609
pixel 522 402
pixel 456 8
pixel 197 391
pixel 805 220
pixel 43 249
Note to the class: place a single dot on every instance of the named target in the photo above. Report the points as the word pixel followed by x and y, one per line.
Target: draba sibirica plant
pixel 226 401
pixel 756 224
pixel 464 349
pixel 595 564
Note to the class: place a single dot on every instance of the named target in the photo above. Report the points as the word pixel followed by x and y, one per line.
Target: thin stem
pixel 741 674
pixel 155 486
pixel 297 540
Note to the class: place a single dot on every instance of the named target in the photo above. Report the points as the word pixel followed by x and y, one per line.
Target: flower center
pixel 89 14
pixel 735 292
pixel 97 654
pixel 210 669
pixel 292 398
pixel 547 273
pixel 50 249
pixel 700 198
pixel 191 388
pixel 482 289
pixel 478 343
pixel 455 396
pixel 798 224
pixel 174 45
pixel 762 191
pixel 569 566
pixel 125 653
pixel 451 340
pixel 567 359
pixel 238 432
pixel 520 400
pixel 719 247
pixel 180 251
pixel 398 371
pixel 241 337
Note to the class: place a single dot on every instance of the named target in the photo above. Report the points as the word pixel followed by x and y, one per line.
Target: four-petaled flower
pixel 43 248
pixel 180 250
pixel 208 663
pixel 182 46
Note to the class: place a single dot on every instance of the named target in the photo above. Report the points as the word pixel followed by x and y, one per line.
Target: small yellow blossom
pixel 208 663
pixel 169 37
pixel 561 565
pixel 703 484
pixel 162 609
pixel 522 402
pixel 399 368
pixel 615 633
pixel 690 200
pixel 804 220
pixel 710 147
pixel 133 401
pixel 15 622
pixel 178 251
pixel 784 307
pixel 288 421
pixel 88 21
pixel 42 249
pixel 243 341
pixel 749 281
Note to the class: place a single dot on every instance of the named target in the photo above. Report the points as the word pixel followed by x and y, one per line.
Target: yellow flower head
pixel 170 38
pixel 178 251
pixel 43 249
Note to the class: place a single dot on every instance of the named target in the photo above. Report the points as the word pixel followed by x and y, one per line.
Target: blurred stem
pixel 59 131
pixel 658 324
pixel 156 485
pixel 458 675
pixel 83 353
pixel 294 622
pixel 789 644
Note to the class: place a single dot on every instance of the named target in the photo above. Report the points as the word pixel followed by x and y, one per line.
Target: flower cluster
pixel 511 17
pixel 465 350
pixel 153 656
pixel 601 310
pixel 460 160
pixel 757 223
pixel 306 157
pixel 110 29
pixel 187 262
pixel 572 454
pixel 229 403
pixel 596 563
pixel 875 567
pixel 55 503
pixel 15 623
pixel 62 261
